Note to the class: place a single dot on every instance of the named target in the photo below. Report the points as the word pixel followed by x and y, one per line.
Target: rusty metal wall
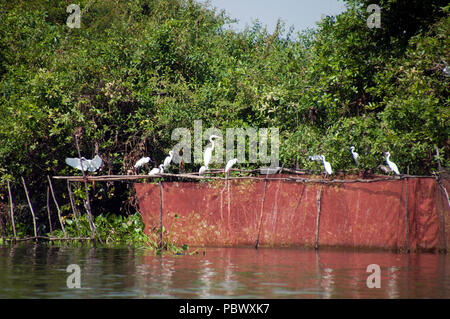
pixel 238 212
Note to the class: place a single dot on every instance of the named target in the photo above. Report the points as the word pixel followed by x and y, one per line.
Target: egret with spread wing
pixel 85 164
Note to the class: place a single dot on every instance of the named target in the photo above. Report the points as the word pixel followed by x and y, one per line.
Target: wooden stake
pixel 48 210
pixel 438 158
pixel 31 208
pixel 160 214
pixel 74 209
pixel 228 204
pixel 57 206
pixel 406 215
pixel 11 205
pixel 261 214
pixel 319 198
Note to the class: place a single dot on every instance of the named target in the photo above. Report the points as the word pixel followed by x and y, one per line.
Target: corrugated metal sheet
pixel 231 213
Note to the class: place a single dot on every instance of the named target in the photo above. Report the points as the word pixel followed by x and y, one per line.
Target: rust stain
pixel 368 215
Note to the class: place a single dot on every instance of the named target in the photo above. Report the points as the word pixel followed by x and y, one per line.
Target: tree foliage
pixel 136 70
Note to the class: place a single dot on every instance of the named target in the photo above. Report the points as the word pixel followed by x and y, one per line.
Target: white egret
pixel 384 169
pixel 142 161
pixel 208 151
pixel 229 165
pixel 202 170
pixel 88 165
pixel 391 164
pixel 327 166
pixel 156 171
pixel 168 160
pixel 446 70
pixel 354 154
pixel 315 158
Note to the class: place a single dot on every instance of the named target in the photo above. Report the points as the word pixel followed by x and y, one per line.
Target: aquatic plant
pixel 117 230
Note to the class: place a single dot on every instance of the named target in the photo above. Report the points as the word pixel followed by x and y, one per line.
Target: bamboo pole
pixel 406 215
pixel 50 238
pixel 11 205
pixel 31 207
pixel 438 179
pixel 228 204
pixel 111 178
pixel 160 215
pixel 261 214
pixel 406 209
pixel 57 206
pixel 319 198
pixel 48 210
pixel 74 209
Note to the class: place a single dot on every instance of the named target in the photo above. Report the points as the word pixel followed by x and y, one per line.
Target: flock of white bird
pixel 96 162
pixel 327 166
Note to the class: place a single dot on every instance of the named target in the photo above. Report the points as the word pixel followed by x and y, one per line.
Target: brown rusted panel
pixel 228 213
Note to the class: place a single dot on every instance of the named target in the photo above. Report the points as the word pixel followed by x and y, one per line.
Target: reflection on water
pixel 29 271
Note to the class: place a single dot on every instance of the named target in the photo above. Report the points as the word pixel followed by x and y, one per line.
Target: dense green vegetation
pixel 136 70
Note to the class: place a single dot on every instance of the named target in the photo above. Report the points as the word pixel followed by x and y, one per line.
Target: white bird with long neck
pixel 354 154
pixel 208 151
pixel 327 166
pixel 230 165
pixel 391 164
pixel 168 160
pixel 156 171
pixel 142 161
pixel 202 170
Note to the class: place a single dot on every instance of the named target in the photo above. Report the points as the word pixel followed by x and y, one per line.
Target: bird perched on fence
pixel 141 162
pixel 384 169
pixel 230 164
pixel 354 154
pixel 168 160
pixel 326 166
pixel 85 164
pixel 156 171
pixel 391 164
pixel 202 170
pixel 208 151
